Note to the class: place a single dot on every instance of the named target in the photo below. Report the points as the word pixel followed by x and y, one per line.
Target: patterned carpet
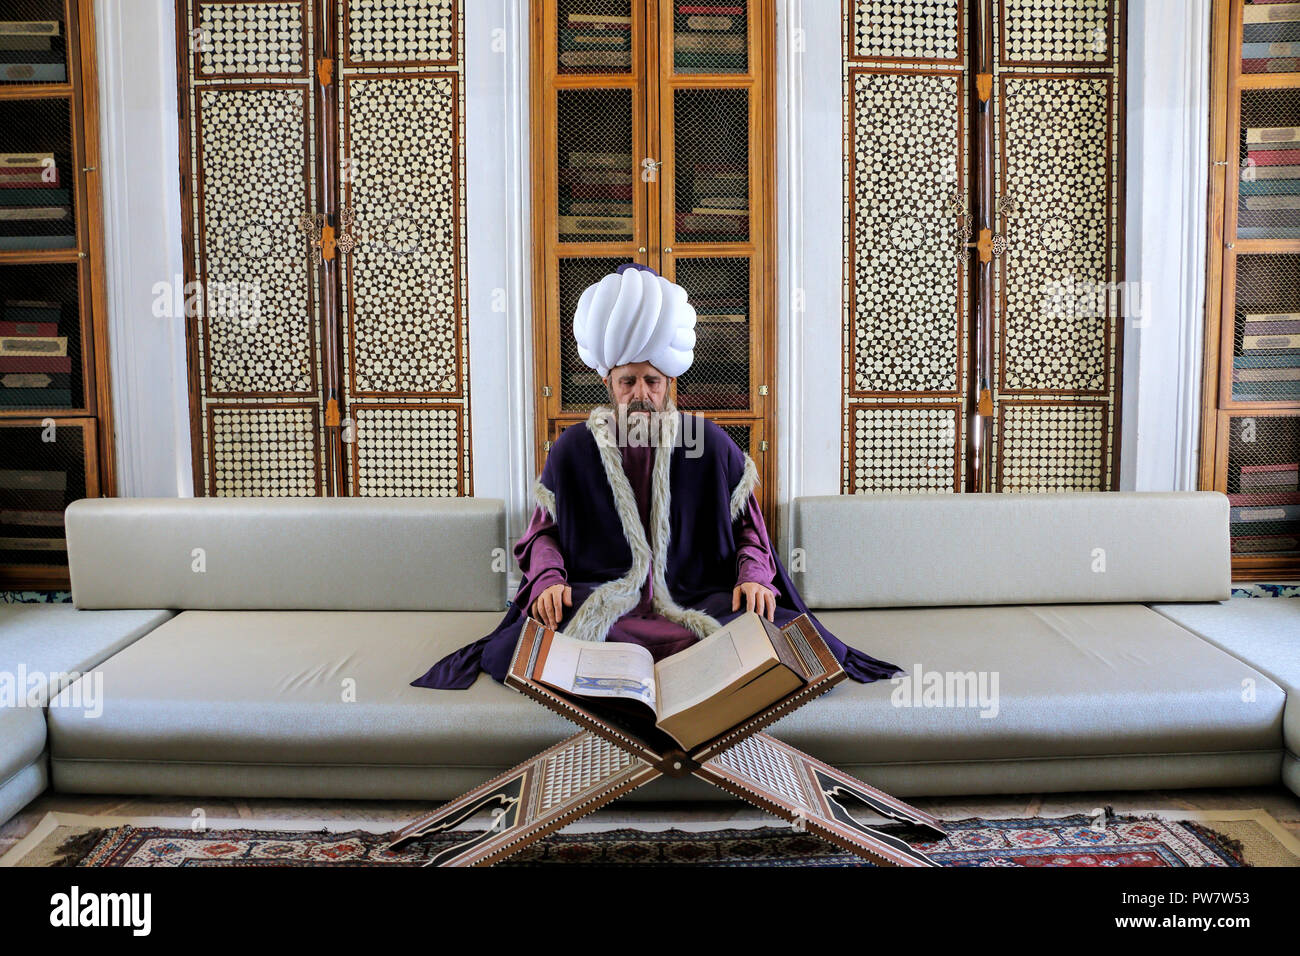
pixel 1074 841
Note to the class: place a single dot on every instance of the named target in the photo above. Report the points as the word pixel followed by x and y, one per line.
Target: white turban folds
pixel 635 316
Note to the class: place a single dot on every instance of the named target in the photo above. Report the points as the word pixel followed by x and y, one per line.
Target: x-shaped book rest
pixel 612 757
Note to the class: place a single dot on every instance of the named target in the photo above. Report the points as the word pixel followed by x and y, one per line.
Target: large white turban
pixel 635 315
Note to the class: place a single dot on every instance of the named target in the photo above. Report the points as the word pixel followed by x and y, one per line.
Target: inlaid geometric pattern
pixel 580 767
pixel 1054 31
pixel 769 767
pixel 243 38
pixel 401 31
pixel 910 449
pixel 407 452
pixel 906 282
pixel 1050 447
pixel 264 451
pixel 920 29
pixel 1057 263
pixel 260 339
pixel 402 160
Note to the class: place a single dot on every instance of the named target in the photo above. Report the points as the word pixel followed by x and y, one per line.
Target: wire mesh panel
pixel 40 337
pixel 596 181
pixel 43 471
pixel 742 435
pixel 1266 330
pixel 33 42
pixel 37 175
pixel 710 37
pixel 1270 37
pixel 711 165
pixel 719 290
pixel 1268 193
pixel 594 36
pixel 1263 483
pixel 581 388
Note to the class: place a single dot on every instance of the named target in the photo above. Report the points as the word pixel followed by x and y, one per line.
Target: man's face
pixel 640 387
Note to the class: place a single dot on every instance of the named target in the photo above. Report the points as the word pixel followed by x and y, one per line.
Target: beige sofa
pixel 282 635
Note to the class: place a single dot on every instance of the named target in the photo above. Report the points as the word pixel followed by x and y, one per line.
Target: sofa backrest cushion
pixel 901 550
pixel 416 554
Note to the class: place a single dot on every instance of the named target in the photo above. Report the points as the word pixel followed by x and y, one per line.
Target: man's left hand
pixel 756 597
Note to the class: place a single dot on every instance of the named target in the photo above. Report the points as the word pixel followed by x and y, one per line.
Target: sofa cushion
pixel 1263 632
pixel 1072 680
pixel 60 639
pixel 304 687
pixel 904 550
pixel 22 738
pixel 331 689
pixel 288 553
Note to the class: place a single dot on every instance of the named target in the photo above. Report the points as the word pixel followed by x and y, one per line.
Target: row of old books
pixel 595 42
pixel 596 196
pixel 1268 203
pixel 35 368
pixel 1268 368
pixel 32 501
pixel 35 211
pixel 1270 37
pixel 713 203
pixel 709 38
pixel 32 51
pixel 1265 511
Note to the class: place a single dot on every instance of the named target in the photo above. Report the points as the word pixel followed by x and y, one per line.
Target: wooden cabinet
pixel 653 131
pixel 1250 441
pixel 56 436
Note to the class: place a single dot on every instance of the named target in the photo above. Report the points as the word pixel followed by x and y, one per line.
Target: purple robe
pixel 708 550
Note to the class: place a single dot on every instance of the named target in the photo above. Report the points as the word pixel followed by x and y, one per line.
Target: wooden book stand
pixel 615 755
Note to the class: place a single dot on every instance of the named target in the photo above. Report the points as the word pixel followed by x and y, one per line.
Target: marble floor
pixel 387 815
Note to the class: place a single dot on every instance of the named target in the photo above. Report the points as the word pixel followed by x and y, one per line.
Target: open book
pixel 694 695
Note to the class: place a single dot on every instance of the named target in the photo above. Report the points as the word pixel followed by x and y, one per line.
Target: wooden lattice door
pixel 984 241
pixel 323 166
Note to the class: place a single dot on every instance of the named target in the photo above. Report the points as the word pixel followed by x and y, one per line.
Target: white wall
pixel 1167 146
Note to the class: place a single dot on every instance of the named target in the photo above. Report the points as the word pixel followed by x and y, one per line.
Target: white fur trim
pixel 744 488
pixel 545 497
pixel 615 598
pixel 611 600
pixel 661 600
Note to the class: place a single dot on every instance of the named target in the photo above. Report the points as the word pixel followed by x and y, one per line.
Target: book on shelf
pixel 1268 135
pixel 1279 373
pixel 8 543
pixel 599 19
pixel 694 695
pixel 597 160
pixel 1265 513
pixel 1277 64
pixel 599 209
pixel 33 345
pixel 580 58
pixel 38 479
pixel 1264 498
pixel 35 363
pixel 38 517
pixel 595 225
pixel 1264 543
pixel 720 317
pixel 1269 186
pixel 1288 203
pixel 712 23
pixel 1249 342
pixel 32 51
pixel 1270 12
pixel 1270 34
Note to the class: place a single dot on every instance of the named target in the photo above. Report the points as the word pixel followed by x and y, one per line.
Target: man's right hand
pixel 547 608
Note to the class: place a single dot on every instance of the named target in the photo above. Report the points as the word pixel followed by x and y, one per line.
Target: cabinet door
pixel 908 347
pixel 1059 304
pixel 48 465
pixel 404 353
pixel 251 303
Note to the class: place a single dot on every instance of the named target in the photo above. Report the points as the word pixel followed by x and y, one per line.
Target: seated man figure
pixel 646 528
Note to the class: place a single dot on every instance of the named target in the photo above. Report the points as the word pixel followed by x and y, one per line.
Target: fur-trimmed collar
pixel 613 599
